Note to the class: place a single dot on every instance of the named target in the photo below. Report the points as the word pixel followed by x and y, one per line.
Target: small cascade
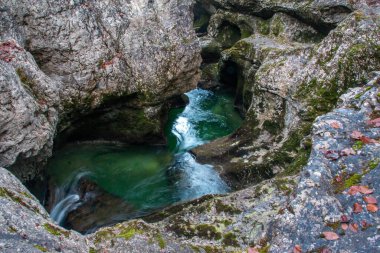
pixel 196 179
pixel 67 198
pixel 99 185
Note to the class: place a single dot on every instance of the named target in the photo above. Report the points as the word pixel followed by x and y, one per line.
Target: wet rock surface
pixel 90 70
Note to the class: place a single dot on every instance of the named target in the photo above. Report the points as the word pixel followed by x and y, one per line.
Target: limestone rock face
pixel 274 215
pixel 321 13
pixel 25 224
pixel 28 114
pixel 280 213
pixel 92 70
pixel 286 74
pixel 324 199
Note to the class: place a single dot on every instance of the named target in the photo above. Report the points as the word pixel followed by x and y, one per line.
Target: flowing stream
pixel 144 178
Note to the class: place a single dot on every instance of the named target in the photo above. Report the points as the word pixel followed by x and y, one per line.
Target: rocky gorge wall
pixel 287 68
pixel 89 70
pixel 329 207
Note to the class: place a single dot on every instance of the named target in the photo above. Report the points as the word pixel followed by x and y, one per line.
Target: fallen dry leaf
pixel 331 154
pixel 359 188
pixel 344 226
pixel 330 236
pixel 370 200
pixel 344 218
pixel 354 227
pixel 367 140
pixel 357 208
pixel 375 122
pixel 365 190
pixel 356 135
pixel 372 208
pixel 297 249
pixel 365 224
pixel 253 250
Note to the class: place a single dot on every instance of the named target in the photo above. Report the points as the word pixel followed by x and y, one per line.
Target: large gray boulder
pixel 90 70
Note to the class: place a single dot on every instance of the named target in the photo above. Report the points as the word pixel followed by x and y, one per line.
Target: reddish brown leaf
pixel 354 227
pixel 344 226
pixel 367 140
pixel 356 135
pixel 365 190
pixel 370 200
pixel 344 218
pixel 253 250
pixel 297 249
pixel 330 236
pixel 357 208
pixel 354 189
pixel 375 122
pixel 365 224
pixel 331 154
pixel 372 208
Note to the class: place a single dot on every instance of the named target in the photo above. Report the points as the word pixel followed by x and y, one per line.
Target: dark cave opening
pixel 201 19
pixel 230 77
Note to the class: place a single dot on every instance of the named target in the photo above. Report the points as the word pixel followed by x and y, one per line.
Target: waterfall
pixel 67 198
pixel 196 179
pixel 142 178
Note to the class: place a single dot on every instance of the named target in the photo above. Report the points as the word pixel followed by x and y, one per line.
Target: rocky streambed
pixel 93 185
pixel 303 165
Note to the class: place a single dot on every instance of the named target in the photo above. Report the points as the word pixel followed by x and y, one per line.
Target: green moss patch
pixel 358 145
pixel 103 235
pixel 160 240
pixel 128 233
pixel 221 207
pixel 207 231
pixel 346 181
pixel 56 230
pixel 373 164
pixel 5 193
pixel 39 247
pixel 230 239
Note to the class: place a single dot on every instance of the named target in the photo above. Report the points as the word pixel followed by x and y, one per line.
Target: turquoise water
pixel 149 177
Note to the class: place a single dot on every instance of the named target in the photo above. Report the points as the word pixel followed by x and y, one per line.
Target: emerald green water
pixel 148 177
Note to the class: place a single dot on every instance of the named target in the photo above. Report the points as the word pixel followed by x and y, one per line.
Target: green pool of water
pixel 150 177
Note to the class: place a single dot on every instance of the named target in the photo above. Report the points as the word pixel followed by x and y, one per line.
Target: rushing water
pixel 148 177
